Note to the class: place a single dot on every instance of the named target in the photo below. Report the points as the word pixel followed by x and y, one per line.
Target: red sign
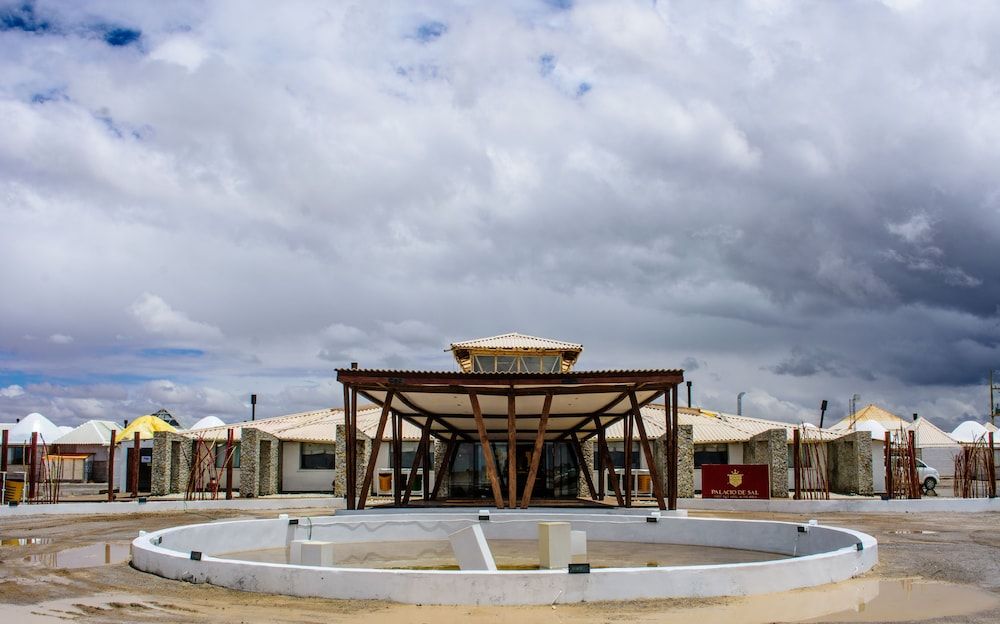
pixel 735 481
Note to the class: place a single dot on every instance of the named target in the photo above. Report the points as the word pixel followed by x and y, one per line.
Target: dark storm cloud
pixel 217 200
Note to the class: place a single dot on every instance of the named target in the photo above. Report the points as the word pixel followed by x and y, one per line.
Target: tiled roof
pixel 711 427
pixel 515 341
pixel 928 434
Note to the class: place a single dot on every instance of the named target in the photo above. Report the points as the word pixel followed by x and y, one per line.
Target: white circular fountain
pixel 805 555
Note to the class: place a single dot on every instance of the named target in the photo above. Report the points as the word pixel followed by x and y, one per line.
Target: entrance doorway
pixel 557 478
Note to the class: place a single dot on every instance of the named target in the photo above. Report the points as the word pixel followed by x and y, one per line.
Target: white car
pixel 928 475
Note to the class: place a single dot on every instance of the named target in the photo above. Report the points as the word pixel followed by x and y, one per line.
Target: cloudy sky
pixel 204 200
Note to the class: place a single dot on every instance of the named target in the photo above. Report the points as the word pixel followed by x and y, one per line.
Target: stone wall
pixel 685 460
pixel 171 467
pixel 770 448
pixel 849 458
pixel 363 445
pixel 260 463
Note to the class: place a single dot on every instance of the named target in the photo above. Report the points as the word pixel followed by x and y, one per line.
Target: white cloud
pixel 60 339
pixel 157 317
pixel 11 391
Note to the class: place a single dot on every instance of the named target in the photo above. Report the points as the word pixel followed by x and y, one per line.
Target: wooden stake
pixel 672 485
pixel 425 436
pixel 488 458
pixel 797 463
pixel 992 466
pixel 602 442
pixel 33 466
pixel 397 459
pixel 134 465
pixel 366 485
pixel 654 472
pixel 536 453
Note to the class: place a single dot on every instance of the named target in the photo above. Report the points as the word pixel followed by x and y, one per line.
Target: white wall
pixel 294 479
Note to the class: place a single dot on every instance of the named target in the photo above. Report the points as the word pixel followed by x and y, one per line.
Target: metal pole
pixel 822 412
pixel 689 393
pixel 229 464
pixel 253 407
pixel 111 467
pixel 992 468
pixel 739 403
pixel 32 466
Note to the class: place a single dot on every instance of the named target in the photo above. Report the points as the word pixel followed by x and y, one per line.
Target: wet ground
pixel 934 568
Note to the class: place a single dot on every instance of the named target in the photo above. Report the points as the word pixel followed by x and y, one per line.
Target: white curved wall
pixel 824 555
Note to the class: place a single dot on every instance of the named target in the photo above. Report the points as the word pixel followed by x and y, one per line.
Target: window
pixel 710 454
pixel 484 364
pixel 516 363
pixel 617 450
pixel 220 454
pixel 17 455
pixel 409 453
pixel 314 456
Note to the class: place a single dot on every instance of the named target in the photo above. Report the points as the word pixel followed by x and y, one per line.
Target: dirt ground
pixel 962 549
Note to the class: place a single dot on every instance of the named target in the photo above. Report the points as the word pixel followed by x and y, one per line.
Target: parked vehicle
pixel 929 476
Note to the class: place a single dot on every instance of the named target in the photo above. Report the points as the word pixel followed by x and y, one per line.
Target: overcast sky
pixel 800 200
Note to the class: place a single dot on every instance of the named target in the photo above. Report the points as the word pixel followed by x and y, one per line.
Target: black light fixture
pixel 253 407
pixel 689 393
pixel 822 412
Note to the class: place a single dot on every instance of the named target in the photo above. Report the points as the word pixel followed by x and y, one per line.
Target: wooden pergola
pixel 568 407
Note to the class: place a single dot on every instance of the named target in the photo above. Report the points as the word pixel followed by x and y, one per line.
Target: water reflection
pixel 89 556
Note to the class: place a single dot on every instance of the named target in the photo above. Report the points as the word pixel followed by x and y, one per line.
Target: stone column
pixel 439 449
pixel 770 448
pixel 849 460
pixel 171 467
pixel 587 448
pixel 340 459
pixel 260 460
pixel 685 460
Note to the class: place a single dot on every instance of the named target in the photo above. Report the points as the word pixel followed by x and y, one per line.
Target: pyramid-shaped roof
pixel 969 431
pixel 517 342
pixel 887 419
pixel 34 422
pixel 146 426
pixel 90 432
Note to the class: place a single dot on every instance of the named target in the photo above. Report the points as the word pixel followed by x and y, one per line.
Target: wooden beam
pixel 511 451
pixel 449 455
pixel 397 459
pixel 348 455
pixel 366 485
pixel 425 438
pixel 599 464
pixel 619 417
pixel 488 457
pixel 368 379
pixel 582 461
pixel 602 443
pixel 654 472
pixel 536 454
pixel 629 424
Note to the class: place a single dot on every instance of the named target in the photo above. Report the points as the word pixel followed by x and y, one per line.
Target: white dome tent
pixel 969 432
pixel 32 423
pixel 208 422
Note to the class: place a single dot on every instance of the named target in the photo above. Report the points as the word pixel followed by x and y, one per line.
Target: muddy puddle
pixel 514 555
pixel 24 541
pixel 90 556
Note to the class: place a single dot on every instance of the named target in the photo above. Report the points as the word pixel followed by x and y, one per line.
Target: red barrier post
pixel 111 467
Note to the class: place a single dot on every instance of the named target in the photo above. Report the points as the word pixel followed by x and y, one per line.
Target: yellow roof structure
pixel 927 433
pixel 146 426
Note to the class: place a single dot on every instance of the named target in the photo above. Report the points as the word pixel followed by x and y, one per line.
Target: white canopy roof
pixel 969 431
pixel 47 431
pixel 207 422
pixel 877 430
pixel 91 432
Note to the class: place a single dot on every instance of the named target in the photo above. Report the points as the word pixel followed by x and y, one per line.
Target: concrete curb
pixel 845 505
pixel 161 506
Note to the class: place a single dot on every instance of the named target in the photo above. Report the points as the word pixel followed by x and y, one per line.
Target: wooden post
pixel 602 443
pixel 582 462
pixel 511 451
pixel 911 452
pixel 599 461
pixel 111 467
pixel 229 463
pixel 348 454
pixel 654 472
pixel 536 453
pixel 629 424
pixel 134 466
pixel 992 466
pixel 366 485
pixel 797 462
pixel 33 466
pixel 449 456
pixel 672 495
pixel 4 445
pixel 888 465
pixel 418 458
pixel 426 493
pixel 488 458
pixel 397 459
